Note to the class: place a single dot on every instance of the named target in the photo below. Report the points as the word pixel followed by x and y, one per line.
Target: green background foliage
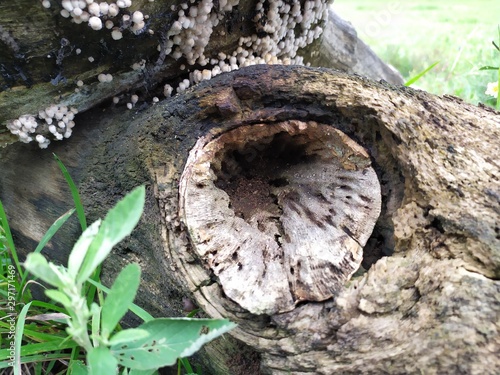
pixel 412 35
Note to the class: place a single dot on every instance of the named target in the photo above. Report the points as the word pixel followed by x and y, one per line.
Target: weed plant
pixel 79 327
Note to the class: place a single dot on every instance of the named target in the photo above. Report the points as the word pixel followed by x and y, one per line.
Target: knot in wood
pixel 279 212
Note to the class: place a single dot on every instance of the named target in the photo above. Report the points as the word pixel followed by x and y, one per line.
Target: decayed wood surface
pixel 429 300
pixel 286 207
pixel 43 56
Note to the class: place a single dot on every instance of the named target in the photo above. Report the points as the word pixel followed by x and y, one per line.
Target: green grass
pixel 413 35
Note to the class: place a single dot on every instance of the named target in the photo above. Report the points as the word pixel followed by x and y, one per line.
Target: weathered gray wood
pixel 428 301
pixel 281 211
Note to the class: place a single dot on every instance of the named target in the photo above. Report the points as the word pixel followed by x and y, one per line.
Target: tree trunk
pixel 300 161
pixel 48 60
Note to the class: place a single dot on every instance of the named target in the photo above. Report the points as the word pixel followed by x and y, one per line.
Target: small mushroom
pixel 279 212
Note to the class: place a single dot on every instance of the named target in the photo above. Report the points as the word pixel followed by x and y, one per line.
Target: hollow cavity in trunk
pixel 280 212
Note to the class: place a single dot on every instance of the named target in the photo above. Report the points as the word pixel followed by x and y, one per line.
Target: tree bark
pixel 426 296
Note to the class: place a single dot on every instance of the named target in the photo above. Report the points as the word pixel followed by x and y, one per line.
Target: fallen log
pixel 295 163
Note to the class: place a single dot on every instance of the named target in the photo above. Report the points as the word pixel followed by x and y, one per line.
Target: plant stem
pixel 79 312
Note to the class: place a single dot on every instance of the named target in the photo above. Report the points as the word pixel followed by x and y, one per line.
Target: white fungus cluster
pixel 282 28
pixel 190 33
pixel 289 26
pixel 103 14
pixel 54 121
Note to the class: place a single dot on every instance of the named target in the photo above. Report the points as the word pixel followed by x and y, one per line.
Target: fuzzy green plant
pixel 93 341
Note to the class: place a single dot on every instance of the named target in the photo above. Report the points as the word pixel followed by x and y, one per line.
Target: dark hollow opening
pixel 250 172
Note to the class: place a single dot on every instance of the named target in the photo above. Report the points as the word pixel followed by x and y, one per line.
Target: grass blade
pixel 45 357
pixel 18 339
pixel 33 333
pixel 414 79
pixel 53 230
pixel 39 348
pixel 74 192
pixel 187 366
pixel 494 44
pixel 10 240
pixel 48 236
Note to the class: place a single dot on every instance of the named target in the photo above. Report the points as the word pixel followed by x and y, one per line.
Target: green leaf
pixel 169 339
pixel 37 265
pixel 488 67
pixel 81 247
pixel 118 223
pixel 128 335
pixel 95 310
pixel 58 296
pixel 120 298
pixel 18 339
pixel 101 361
pixel 139 311
pixel 141 372
pixel 78 368
pixel 414 79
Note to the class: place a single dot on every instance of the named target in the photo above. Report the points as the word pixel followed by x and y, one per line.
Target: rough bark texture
pixel 429 299
pixel 43 56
